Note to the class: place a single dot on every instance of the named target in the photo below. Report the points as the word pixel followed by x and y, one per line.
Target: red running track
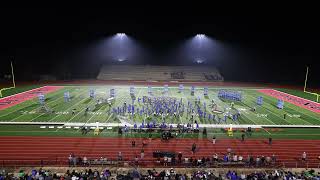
pixel 32 150
pixel 15 99
pixel 298 101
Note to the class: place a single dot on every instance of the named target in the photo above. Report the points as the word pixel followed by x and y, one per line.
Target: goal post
pixel 305 86
pixel 13 82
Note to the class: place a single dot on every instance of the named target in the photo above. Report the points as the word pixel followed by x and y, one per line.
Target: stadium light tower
pixel 203 49
pixel 120 48
pixel 121 42
pixel 199 41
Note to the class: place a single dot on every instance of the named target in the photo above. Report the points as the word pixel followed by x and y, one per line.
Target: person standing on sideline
pixel 142 154
pixel 304 156
pixel 214 140
pixel 193 148
pixel 270 140
pixel 119 156
pixel 242 137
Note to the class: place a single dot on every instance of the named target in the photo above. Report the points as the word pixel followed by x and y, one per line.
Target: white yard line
pixel 266 130
pixel 90 118
pixel 36 109
pixel 79 111
pixel 280 116
pixel 124 97
pixel 51 94
pixel 269 110
pixel 263 117
pixel 294 106
pixel 83 110
pixel 108 118
pixel 67 110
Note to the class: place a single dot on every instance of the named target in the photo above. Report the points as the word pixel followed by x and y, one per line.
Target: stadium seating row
pixel 159 73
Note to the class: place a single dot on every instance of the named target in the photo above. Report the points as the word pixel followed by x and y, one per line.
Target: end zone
pixel 298 101
pixel 15 99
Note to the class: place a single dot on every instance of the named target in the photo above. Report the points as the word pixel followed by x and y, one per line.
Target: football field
pixel 84 109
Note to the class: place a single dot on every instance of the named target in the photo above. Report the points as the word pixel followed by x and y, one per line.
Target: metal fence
pixel 145 163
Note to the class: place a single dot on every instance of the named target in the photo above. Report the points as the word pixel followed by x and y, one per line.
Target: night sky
pixel 259 48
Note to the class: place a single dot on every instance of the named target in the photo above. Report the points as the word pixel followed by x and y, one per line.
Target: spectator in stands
pixel 133 143
pixel 85 161
pixel 240 158
pixel 186 160
pixel 195 161
pixel 136 175
pixel 263 160
pixel 173 160
pixel 74 161
pixel 215 157
pixel 225 158
pixel 179 157
pixel 242 176
pixel 70 160
pixel 207 161
pixel 169 160
pixel 251 160
pixel 136 160
pixel 235 158
pixel 258 161
pixel 268 160
pixel 164 174
pixel 107 174
pixel 165 161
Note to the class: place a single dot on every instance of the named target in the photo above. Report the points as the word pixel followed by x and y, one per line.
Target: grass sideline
pixel 18 89
pixel 280 133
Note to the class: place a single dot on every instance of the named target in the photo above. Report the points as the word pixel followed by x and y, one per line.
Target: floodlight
pixel 200 35
pixel 199 60
pixel 121 34
pixel 121 59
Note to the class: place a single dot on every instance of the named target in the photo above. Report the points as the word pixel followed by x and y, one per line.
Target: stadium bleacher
pixel 159 73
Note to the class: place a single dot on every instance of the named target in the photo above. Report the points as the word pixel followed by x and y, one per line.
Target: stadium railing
pixel 148 163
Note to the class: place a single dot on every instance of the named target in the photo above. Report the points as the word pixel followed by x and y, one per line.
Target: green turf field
pixel 60 111
pixel 283 133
